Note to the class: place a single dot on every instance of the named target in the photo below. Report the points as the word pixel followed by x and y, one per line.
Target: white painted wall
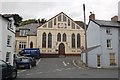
pixel 5 33
pixel 93 39
pixel 119 10
pixel 0 37
pixel 105 51
pixel 97 36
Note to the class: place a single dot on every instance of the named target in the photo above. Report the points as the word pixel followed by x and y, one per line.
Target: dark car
pixel 8 71
pixel 26 62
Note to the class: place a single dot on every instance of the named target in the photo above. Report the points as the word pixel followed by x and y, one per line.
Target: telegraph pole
pixel 85 28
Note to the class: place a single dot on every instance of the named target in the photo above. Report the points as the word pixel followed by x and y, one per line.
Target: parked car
pixel 31 52
pixel 16 57
pixel 8 71
pixel 26 62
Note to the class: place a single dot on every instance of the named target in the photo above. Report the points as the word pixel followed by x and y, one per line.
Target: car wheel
pixel 35 64
pixel 30 66
pixel 14 74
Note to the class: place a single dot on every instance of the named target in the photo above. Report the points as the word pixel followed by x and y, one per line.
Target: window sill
pixel 113 64
pixel 109 34
pixel 8 46
pixel 109 48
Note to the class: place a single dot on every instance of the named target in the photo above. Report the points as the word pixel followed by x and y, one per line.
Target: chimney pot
pixel 114 18
pixel 92 16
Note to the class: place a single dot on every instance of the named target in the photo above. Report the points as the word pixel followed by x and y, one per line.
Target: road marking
pixel 58 70
pixel 39 72
pixel 38 61
pixel 64 63
pixel 25 70
pixel 76 65
pixel 21 71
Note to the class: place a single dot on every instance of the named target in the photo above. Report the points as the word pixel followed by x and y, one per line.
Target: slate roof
pixel 5 17
pixel 31 27
pixel 80 23
pixel 103 23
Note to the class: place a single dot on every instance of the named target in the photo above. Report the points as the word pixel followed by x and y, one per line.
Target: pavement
pixel 67 67
pixel 79 64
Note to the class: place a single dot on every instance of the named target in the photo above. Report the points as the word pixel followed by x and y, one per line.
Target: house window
pixel 10 25
pixel 109 43
pixel 50 24
pixel 54 21
pixel 9 38
pixel 108 31
pixel 73 25
pixel 64 18
pixel 44 40
pixel 98 60
pixel 64 37
pixel 68 22
pixel 59 37
pixel 78 41
pixel 49 40
pixel 7 56
pixel 59 18
pixel 112 59
pixel 73 40
pixel 23 32
pixel 22 45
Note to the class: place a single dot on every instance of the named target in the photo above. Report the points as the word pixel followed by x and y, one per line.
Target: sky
pixel 29 9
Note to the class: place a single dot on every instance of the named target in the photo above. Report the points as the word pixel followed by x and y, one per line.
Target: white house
pixel 7 39
pixel 103 42
pixel 119 10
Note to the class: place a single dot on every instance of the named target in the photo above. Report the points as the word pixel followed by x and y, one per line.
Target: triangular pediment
pixel 61 21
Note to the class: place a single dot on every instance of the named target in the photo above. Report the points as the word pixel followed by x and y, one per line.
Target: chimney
pixel 92 16
pixel 114 18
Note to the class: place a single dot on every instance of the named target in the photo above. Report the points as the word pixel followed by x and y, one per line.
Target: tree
pixel 43 20
pixel 29 21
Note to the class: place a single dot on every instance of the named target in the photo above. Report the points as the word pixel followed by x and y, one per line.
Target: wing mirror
pixel 8 63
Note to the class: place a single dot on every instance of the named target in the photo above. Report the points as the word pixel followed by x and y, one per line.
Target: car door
pixel 6 70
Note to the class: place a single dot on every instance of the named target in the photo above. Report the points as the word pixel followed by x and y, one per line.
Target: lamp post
pixel 85 28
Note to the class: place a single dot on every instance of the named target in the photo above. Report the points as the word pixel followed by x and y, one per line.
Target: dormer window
pixel 9 25
pixel 23 32
pixel 108 31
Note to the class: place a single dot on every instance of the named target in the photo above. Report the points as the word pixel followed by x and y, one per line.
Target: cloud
pixel 104 9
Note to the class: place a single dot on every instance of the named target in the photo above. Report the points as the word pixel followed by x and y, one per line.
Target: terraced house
pixel 7 39
pixel 60 35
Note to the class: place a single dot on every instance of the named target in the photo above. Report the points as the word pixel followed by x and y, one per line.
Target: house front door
pixel 61 49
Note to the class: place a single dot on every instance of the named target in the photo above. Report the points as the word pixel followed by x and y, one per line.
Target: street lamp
pixel 85 28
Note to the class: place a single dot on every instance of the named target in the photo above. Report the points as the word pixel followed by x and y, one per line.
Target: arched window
pixel 73 40
pixel 31 44
pixel 44 40
pixel 59 37
pixel 78 41
pixel 64 37
pixel 49 40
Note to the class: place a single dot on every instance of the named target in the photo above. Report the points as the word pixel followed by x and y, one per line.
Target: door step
pixel 61 56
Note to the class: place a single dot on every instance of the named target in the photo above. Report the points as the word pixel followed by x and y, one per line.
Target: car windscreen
pixel 3 64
